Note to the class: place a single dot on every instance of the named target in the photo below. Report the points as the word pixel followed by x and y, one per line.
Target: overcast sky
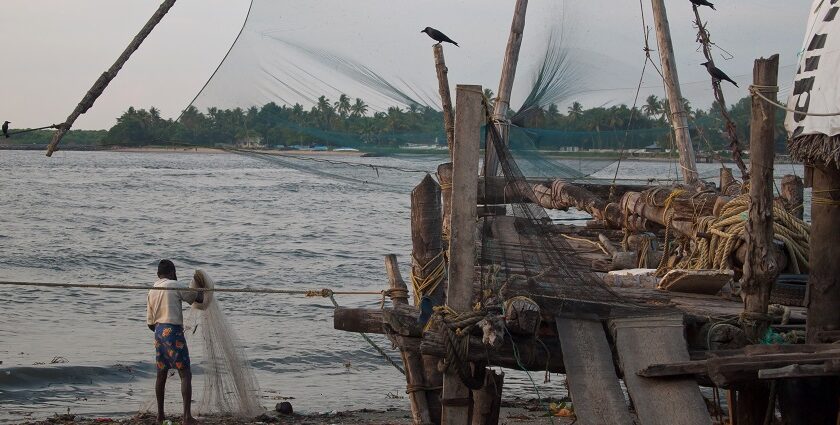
pixel 55 49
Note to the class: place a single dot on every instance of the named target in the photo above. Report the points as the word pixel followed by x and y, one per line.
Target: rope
pixel 756 90
pixel 724 233
pixel 326 293
pixel 596 244
pixel 12 133
pixel 427 285
pixel 371 343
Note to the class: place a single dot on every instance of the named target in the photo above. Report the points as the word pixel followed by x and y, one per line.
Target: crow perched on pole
pixel 6 129
pixel 717 74
pixel 438 36
pixel 702 3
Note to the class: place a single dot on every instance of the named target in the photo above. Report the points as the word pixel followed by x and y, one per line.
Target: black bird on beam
pixel 438 36
pixel 6 129
pixel 698 3
pixel 717 74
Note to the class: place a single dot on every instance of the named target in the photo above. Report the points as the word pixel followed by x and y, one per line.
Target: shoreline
pixel 523 412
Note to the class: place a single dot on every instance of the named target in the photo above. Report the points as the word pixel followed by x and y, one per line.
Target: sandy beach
pixel 512 412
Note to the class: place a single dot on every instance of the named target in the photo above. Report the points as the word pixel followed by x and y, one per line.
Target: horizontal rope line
pixel 310 293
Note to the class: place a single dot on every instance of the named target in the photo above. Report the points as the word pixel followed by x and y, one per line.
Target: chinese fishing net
pixel 366 81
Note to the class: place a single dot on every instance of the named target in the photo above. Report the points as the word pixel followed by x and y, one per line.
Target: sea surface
pixel 107 218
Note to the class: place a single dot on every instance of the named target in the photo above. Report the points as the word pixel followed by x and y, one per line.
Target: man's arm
pixel 150 321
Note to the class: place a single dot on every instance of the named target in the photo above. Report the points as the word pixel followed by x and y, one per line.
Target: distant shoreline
pixel 579 155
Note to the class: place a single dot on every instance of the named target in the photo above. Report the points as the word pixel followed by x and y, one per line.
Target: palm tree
pixel 652 106
pixel 359 108
pixel 575 111
pixel 343 105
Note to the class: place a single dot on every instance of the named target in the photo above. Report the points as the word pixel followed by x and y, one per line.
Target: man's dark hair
pixel 166 269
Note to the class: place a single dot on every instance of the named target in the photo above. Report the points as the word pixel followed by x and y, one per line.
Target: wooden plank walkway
pixel 644 341
pixel 590 373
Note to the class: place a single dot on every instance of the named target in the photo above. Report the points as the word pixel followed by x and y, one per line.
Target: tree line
pixel 348 122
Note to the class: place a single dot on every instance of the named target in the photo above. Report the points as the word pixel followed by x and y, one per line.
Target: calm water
pixel 101 217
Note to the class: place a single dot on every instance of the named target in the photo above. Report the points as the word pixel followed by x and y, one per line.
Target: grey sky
pixel 54 49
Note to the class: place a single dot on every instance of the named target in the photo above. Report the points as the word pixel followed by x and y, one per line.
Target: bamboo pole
pixel 760 267
pixel 468 120
pixel 445 96
pixel 105 79
pixel 502 106
pixel 411 358
pixel 679 118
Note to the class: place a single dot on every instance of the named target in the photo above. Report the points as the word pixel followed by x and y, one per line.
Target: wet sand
pixel 512 413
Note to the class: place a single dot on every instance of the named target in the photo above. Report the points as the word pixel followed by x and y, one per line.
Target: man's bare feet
pixel 190 421
pixel 160 419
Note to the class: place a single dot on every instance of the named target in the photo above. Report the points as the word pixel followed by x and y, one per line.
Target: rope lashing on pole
pixel 435 271
pixel 325 293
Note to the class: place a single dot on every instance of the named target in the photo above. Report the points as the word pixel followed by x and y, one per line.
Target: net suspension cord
pixel 325 292
pixel 758 90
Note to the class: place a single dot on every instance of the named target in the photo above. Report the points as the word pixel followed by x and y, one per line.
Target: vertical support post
pixel 824 279
pixel 500 110
pixel 679 118
pixel 410 352
pixel 760 268
pixel 445 96
pixel 468 120
pixel 792 195
pixel 445 176
pixel 427 263
pixel 488 400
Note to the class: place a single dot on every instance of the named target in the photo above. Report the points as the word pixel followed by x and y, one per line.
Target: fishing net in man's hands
pixel 230 386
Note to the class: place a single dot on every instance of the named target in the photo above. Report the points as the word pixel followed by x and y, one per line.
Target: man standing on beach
pixel 165 317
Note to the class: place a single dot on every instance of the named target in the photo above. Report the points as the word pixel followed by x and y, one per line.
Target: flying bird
pixel 717 74
pixel 438 36
pixel 6 129
pixel 702 3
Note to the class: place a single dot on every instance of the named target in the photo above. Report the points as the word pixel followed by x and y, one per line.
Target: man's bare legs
pixel 186 394
pixel 160 390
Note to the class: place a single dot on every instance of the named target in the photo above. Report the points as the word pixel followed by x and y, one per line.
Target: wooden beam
pixel 445 96
pixel 502 106
pixel 590 377
pixel 522 352
pixel 469 117
pixel 105 79
pixel 679 117
pixel 411 358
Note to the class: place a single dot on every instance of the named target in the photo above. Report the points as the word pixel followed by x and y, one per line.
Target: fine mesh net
pixel 230 386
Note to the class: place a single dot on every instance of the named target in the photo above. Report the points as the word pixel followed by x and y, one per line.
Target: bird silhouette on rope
pixel 698 3
pixel 717 74
pixel 438 36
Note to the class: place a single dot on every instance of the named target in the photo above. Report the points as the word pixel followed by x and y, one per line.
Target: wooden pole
pixel 488 400
pixel 760 267
pixel 427 249
pixel 105 79
pixel 410 357
pixel 792 195
pixel 444 172
pixel 502 106
pixel 445 96
pixel 679 118
pixel 468 120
